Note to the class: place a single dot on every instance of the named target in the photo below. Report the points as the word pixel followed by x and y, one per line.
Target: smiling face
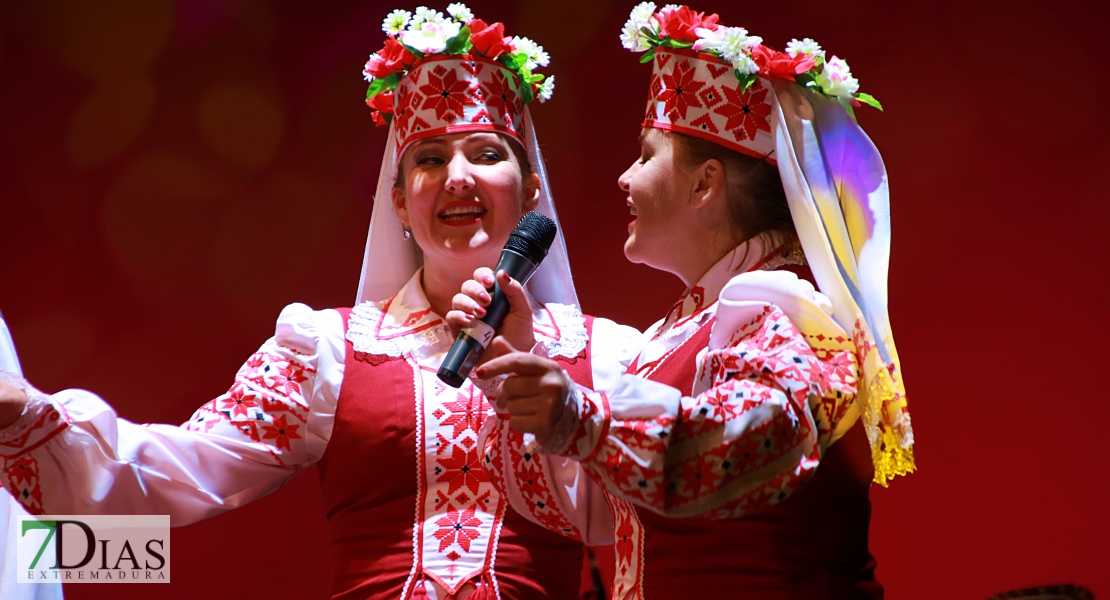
pixel 462 195
pixel 658 198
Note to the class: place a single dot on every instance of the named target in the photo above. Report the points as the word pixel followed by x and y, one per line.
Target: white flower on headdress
pixel 431 38
pixel 547 87
pixel 631 36
pixel 672 7
pixel 745 65
pixel 366 69
pixel 836 79
pixel 396 21
pixel 732 44
pixel 534 52
pixel 807 47
pixel 425 15
pixel 460 12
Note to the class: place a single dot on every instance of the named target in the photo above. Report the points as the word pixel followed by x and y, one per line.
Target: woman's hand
pixel 534 393
pixel 12 402
pixel 470 305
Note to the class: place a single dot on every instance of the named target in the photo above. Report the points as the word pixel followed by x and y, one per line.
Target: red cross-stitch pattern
pixel 457 527
pixel 628 534
pixel 21 469
pixel 746 112
pixel 22 476
pixel 765 378
pixel 500 96
pixel 534 487
pixel 680 91
pixel 446 93
pixel 265 405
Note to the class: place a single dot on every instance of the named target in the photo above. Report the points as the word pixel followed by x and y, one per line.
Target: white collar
pixel 407 323
pixel 703 295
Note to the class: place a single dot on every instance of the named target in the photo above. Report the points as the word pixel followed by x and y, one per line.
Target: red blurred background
pixel 173 173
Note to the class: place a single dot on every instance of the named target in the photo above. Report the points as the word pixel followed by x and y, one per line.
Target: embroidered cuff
pixel 566 426
pixel 591 412
pixel 33 416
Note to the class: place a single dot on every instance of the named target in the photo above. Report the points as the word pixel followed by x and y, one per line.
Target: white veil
pixel 836 186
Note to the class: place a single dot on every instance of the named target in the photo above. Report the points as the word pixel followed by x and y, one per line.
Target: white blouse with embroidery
pixel 771 390
pixel 69 453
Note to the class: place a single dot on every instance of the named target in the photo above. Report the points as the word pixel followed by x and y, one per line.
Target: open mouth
pixel 461 212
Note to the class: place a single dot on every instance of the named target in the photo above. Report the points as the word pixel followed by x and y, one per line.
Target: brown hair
pixel 514 146
pixel 756 198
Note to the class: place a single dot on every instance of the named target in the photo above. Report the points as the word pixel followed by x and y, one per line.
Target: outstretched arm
pixel 70 453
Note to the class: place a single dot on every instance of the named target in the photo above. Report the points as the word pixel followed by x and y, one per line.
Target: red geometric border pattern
pixel 768 366
pixel 265 405
pixel 452 94
pixel 696 94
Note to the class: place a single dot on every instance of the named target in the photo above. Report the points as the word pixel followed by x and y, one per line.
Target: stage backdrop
pixel 173 173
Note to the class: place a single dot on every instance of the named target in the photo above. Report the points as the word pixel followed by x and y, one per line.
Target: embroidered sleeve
pixel 752 436
pixel 76 456
pixel 552 491
pixel 548 489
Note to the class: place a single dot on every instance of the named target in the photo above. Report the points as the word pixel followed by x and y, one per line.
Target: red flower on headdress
pixel 488 40
pixel 680 90
pixel 680 24
pixel 382 102
pixel 780 65
pixel 747 113
pixel 393 58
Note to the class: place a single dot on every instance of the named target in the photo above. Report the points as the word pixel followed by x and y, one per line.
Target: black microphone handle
pixel 472 341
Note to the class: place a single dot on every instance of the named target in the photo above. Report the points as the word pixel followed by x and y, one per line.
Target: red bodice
pixel 812 545
pixel 369 477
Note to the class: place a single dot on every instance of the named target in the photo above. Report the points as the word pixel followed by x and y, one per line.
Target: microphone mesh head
pixel 533 236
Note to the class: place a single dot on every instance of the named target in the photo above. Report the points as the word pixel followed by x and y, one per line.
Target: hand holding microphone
pixel 526 248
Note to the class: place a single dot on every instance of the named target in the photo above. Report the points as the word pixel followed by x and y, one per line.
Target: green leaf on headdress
pixel 648 56
pixel 526 94
pixel 805 79
pixel 673 43
pixel 649 33
pixel 514 61
pixel 460 43
pixel 745 80
pixel 869 100
pixel 534 78
pixel 382 85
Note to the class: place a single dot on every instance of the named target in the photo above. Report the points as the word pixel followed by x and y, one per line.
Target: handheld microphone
pixel 526 248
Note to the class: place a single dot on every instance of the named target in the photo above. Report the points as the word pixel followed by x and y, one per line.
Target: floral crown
pixel 714 82
pixel 427 35
pixel 804 61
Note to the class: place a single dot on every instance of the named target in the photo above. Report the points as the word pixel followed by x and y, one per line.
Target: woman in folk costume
pixel 738 451
pixel 355 390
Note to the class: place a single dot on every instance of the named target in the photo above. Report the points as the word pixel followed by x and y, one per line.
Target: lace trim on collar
pixel 363 326
pixel 572 335
pixel 568 339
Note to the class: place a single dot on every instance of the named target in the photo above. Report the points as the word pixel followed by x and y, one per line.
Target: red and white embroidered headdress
pixel 439 75
pixel 794 109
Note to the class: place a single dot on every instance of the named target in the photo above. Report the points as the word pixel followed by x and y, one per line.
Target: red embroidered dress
pixel 728 410
pixel 411 510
